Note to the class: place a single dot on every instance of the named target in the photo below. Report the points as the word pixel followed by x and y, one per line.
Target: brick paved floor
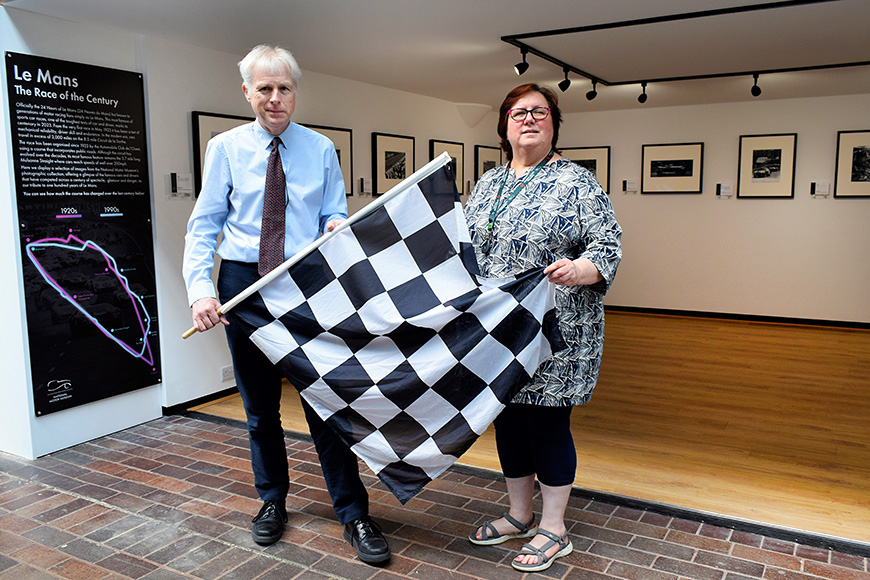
pixel 173 499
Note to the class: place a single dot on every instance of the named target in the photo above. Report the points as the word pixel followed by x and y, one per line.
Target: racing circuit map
pixel 114 281
pixel 91 306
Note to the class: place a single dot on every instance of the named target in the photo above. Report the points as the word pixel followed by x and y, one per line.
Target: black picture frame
pixel 392 160
pixel 486 157
pixel 205 126
pixel 343 140
pixel 766 166
pixel 852 173
pixel 456 150
pixel 672 168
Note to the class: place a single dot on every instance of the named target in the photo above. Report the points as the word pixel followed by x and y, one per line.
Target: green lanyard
pixel 498 208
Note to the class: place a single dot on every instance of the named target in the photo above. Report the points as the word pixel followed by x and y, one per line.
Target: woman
pixel 541 210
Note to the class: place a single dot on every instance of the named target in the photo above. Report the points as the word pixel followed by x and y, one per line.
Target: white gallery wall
pixel 797 258
pixel 804 257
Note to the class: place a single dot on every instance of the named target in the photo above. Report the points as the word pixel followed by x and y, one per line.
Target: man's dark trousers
pixel 259 383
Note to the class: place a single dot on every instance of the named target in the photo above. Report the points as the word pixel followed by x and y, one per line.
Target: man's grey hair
pixel 272 59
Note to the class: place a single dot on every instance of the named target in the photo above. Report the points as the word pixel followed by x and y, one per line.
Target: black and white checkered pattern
pixel 398 346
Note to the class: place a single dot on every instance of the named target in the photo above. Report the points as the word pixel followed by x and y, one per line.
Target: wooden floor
pixel 762 422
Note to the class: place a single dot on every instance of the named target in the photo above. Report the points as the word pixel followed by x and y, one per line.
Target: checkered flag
pixel 389 335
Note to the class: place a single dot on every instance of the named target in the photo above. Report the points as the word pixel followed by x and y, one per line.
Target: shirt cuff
pixel 199 290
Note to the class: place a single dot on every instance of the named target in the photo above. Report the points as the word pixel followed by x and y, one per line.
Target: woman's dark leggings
pixel 534 440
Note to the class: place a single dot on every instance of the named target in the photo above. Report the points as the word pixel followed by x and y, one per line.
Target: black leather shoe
pixel 269 523
pixel 366 536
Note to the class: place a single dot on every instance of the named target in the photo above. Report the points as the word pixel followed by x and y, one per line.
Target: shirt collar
pixel 265 138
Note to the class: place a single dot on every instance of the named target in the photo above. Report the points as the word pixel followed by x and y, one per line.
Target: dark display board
pixel 84 213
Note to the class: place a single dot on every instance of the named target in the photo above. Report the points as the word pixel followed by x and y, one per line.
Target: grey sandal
pixel 565 548
pixel 490 536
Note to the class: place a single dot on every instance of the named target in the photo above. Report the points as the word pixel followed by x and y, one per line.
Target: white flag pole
pixel 405 184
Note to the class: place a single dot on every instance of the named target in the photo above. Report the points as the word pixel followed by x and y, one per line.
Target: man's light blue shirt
pixel 231 199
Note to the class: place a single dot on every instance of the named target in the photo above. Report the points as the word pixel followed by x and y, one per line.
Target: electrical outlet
pixel 227 373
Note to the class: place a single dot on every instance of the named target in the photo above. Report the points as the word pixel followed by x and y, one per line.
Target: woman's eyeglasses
pixel 538 113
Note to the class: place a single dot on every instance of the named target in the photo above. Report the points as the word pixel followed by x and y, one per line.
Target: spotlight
pixel 522 67
pixel 563 85
pixel 755 90
pixel 641 98
pixel 593 93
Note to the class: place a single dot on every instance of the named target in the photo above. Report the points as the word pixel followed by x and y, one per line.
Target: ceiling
pixel 453 49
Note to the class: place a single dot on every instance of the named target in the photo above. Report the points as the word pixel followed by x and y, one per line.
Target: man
pixel 252 182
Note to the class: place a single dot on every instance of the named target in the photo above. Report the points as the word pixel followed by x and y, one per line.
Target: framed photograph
pixel 392 161
pixel 766 167
pixel 343 141
pixel 485 158
pixel 595 159
pixel 672 168
pixel 457 159
pixel 206 126
pixel 853 164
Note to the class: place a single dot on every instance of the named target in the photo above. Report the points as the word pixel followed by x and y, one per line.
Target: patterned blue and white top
pixel 562 213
